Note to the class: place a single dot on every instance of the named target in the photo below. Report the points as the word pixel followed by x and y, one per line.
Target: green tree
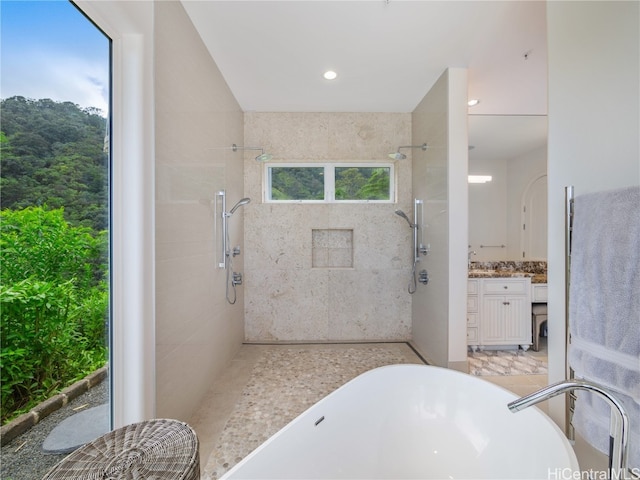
pixel 297 183
pixel 53 299
pixel 53 153
pixel 362 183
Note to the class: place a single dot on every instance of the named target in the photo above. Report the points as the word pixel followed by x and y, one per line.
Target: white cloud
pixel 61 78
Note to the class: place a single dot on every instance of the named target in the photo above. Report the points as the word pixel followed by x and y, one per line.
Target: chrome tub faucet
pixel 619 424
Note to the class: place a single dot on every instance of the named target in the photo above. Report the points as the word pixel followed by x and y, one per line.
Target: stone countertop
pixel 535 277
pixel 536 270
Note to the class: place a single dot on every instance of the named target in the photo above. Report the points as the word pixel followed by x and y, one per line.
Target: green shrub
pixel 54 304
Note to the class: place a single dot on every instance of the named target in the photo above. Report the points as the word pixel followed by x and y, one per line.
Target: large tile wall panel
pixel 197 331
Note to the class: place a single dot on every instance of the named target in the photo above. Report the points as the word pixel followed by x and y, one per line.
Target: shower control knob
pixel 423 277
pixel 236 251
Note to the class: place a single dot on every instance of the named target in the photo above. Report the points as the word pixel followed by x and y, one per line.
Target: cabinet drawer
pixel 500 287
pixel 472 319
pixel 472 336
pixel 539 293
pixel 472 287
pixel 472 304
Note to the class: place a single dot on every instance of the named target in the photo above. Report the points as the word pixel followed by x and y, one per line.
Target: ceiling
pixel 387 53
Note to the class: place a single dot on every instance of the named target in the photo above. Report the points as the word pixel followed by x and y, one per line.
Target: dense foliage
pixel 54 153
pixel 53 299
pixel 53 249
pixel 362 183
pixel 351 183
pixel 297 183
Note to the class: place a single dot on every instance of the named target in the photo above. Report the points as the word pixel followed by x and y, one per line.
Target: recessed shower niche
pixel 332 248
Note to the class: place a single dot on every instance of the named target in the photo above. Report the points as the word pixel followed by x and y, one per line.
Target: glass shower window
pixel 296 183
pixel 331 182
pixel 362 183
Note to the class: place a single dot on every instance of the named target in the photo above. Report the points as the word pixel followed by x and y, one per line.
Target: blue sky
pixel 50 50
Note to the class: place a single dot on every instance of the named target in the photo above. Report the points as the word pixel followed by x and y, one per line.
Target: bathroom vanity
pixel 499 312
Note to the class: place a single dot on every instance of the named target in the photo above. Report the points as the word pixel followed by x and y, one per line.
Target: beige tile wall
pixel 197 332
pixel 439 178
pixel 286 299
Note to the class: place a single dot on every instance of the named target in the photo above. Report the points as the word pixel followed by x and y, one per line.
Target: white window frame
pixel 329 180
pixel 133 354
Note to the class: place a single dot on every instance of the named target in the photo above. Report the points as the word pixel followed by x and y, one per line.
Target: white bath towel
pixel 604 310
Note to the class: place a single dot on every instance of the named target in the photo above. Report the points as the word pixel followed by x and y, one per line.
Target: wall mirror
pixel 508 214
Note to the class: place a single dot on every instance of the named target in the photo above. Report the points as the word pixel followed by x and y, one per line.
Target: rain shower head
pixel 400 213
pixel 263 157
pixel 241 202
pixel 401 156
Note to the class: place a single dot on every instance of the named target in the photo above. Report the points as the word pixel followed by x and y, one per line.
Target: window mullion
pixel 329 183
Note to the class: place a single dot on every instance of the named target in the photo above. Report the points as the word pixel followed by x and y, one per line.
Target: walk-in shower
pixel 227 253
pixel 418 247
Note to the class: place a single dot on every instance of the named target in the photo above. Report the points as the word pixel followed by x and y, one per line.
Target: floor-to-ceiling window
pixel 55 194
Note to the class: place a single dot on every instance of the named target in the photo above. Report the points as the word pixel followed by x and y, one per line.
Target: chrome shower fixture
pixel 227 254
pixel 401 156
pixel 400 213
pixel 241 202
pixel 263 157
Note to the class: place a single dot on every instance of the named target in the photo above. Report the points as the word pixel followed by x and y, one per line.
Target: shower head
pixel 263 157
pixel 400 213
pixel 241 202
pixel 401 156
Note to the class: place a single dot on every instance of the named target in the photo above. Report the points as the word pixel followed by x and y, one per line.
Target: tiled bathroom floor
pixel 219 406
pixel 217 416
pixel 525 384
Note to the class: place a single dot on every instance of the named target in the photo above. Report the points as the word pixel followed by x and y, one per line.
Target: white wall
pixel 440 180
pixel 594 112
pixel 197 331
pixel 286 298
pixel 495 216
pixel 521 172
pixel 488 210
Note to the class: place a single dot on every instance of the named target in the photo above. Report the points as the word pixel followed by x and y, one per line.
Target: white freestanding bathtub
pixel 413 421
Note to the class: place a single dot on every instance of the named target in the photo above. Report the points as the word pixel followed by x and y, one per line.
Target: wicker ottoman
pixel 155 449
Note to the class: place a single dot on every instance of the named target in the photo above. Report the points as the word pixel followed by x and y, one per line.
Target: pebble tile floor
pixel 267 386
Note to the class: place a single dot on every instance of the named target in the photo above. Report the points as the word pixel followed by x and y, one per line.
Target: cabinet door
pixel 505 321
pixel 492 320
pixel 517 326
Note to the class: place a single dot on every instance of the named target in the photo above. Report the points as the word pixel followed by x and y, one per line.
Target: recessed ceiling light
pixel 473 102
pixel 330 75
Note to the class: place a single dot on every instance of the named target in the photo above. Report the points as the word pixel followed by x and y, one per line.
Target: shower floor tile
pixel 286 379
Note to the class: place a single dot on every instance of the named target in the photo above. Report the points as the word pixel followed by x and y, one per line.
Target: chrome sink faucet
pixel 471 252
pixel 618 427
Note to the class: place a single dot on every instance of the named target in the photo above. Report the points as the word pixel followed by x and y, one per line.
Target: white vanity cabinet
pixel 502 312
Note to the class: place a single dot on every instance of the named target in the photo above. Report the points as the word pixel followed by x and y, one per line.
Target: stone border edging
pixel 24 422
